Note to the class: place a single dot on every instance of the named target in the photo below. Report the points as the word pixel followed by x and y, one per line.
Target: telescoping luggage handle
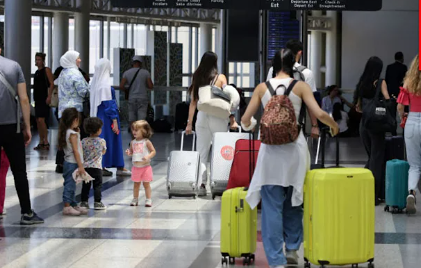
pixel 251 157
pixel 182 140
pixel 321 145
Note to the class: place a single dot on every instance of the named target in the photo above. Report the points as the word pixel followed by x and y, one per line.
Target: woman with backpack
pixel 374 141
pixel 281 169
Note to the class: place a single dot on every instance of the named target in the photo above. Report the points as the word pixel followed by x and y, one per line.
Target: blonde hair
pixel 144 126
pixel 413 77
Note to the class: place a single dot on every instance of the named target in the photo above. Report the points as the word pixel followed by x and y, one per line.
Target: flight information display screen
pixel 275 5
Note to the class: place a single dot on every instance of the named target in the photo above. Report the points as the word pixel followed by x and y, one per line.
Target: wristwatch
pixel 315 125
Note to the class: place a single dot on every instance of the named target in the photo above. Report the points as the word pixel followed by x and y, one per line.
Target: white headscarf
pixel 101 86
pixel 68 60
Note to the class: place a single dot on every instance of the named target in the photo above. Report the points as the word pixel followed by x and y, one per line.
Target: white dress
pixel 284 165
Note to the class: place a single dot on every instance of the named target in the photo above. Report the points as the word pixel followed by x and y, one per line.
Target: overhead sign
pixel 279 5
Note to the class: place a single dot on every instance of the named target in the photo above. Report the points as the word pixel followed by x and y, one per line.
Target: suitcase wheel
pixel 371 265
pixel 307 265
pixel 232 261
pixel 386 208
pixel 194 196
pixel 224 261
pixel 213 196
pixel 247 261
pixel 169 196
pixel 252 258
pixel 354 265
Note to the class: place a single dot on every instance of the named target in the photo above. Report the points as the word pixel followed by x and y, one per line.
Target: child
pixel 93 149
pixel 142 151
pixel 69 141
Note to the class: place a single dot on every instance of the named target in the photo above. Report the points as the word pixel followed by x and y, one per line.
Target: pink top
pixel 406 98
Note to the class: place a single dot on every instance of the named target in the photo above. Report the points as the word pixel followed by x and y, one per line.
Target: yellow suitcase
pixel 238 227
pixel 339 217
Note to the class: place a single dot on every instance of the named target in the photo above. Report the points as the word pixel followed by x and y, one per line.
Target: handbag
pixel 378 116
pixel 54 98
pixel 86 106
pixel 214 101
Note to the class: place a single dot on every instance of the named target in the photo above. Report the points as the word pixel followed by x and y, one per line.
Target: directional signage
pixel 280 5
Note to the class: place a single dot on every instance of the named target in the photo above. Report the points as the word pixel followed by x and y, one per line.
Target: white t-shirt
pixel 308 75
pixel 343 123
pixel 68 150
pixel 140 150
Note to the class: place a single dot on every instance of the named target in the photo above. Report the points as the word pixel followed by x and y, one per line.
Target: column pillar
pixel 108 38
pixel 125 35
pixel 331 50
pixel 82 32
pixel 17 35
pixel 205 38
pixel 60 37
pixel 316 52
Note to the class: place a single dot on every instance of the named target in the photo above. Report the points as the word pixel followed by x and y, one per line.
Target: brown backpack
pixel 279 124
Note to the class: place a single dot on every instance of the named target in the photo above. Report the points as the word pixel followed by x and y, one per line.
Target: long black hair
pixel 371 74
pixel 336 111
pixel 284 60
pixel 204 74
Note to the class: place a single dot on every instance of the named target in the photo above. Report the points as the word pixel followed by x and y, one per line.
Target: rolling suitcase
pixel 238 222
pixel 339 216
pixel 223 144
pixel 183 171
pixel 395 148
pixel 396 185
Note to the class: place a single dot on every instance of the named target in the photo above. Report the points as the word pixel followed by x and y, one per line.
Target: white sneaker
pixel 83 211
pixel 123 173
pixel 70 211
pixel 134 202
pixel 410 204
pixel 292 257
pixel 148 203
pixel 99 206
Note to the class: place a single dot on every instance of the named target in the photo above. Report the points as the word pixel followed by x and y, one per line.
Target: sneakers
pixel 148 203
pixel 134 202
pixel 84 204
pixel 99 206
pixel 202 190
pixel 106 173
pixel 30 219
pixel 292 257
pixel 83 211
pixel 123 172
pixel 70 211
pixel 410 203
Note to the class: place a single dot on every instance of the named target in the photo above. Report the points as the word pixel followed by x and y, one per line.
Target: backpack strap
pixel 301 68
pixel 270 88
pixel 291 86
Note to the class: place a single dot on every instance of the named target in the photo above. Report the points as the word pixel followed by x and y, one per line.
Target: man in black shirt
pixel 395 73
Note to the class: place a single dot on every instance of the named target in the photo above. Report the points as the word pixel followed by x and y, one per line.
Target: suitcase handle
pixel 182 140
pixel 321 146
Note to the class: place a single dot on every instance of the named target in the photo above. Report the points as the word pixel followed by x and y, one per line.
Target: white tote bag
pixel 216 101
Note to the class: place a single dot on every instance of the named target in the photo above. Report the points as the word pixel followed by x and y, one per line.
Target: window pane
pixel 105 39
pixel 114 42
pixel 94 44
pixel 71 34
pixel 35 41
pixel 129 35
pixel 183 38
pixel 46 24
pixel 140 39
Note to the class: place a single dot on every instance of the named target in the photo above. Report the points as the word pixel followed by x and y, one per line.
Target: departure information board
pixel 280 5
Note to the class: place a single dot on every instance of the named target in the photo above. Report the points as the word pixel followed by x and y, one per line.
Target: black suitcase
pixel 181 115
pixel 395 148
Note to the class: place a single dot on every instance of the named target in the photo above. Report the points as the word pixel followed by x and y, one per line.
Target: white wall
pixel 381 33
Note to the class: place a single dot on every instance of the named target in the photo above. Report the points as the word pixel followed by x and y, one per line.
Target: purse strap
pixel 214 80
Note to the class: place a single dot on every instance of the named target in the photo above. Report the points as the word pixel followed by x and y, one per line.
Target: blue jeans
pixel 413 148
pixel 281 222
pixel 69 183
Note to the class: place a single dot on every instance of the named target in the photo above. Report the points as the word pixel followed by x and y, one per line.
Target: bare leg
pixel 41 129
pixel 148 189
pixel 136 189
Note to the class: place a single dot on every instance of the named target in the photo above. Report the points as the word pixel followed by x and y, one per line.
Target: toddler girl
pixel 93 149
pixel 69 141
pixel 142 151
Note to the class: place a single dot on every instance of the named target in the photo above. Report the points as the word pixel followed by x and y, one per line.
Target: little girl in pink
pixel 142 151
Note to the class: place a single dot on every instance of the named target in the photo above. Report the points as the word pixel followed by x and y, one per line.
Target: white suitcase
pixel 223 148
pixel 183 171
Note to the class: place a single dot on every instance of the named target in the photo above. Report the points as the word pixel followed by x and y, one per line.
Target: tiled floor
pixel 176 233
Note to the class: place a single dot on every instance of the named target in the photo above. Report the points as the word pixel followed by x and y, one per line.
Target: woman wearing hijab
pixel 104 106
pixel 72 89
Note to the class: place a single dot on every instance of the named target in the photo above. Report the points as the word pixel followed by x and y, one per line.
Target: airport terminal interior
pixel 185 232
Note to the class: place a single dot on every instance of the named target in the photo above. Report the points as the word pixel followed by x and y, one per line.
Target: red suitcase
pixel 243 161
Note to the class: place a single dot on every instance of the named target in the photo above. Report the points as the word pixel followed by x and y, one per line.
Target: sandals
pixel 42 147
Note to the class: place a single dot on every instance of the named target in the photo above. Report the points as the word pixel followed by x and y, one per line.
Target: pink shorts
pixel 142 174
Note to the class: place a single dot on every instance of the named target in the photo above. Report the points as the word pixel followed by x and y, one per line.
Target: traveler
pixel 43 89
pixel 301 73
pixel 281 169
pixel 136 81
pixel 206 124
pixel 104 106
pixel 374 142
pixel 411 96
pixel 14 102
pixel 334 96
pixel 395 73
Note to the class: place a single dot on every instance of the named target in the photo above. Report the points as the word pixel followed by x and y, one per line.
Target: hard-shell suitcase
pixel 183 171
pixel 223 144
pixel 243 148
pixel 396 185
pixel 339 216
pixel 395 148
